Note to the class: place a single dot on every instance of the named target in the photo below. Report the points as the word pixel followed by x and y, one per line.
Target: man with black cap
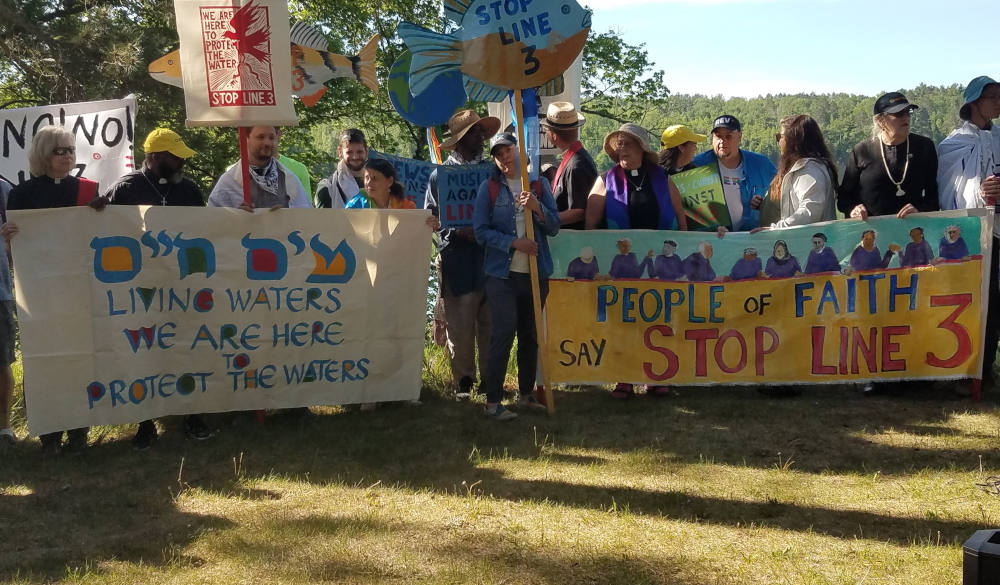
pixel 969 176
pixel 160 181
pixel 461 277
pixel 745 175
pixel 577 172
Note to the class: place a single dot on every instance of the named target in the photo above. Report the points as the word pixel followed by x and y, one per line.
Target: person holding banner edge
pixel 461 277
pixel 635 193
pixel 51 157
pixel 7 327
pixel 969 177
pixel 499 220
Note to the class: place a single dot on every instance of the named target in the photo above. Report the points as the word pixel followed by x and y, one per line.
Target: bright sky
pixel 753 47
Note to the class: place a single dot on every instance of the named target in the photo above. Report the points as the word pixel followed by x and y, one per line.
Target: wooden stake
pixel 529 228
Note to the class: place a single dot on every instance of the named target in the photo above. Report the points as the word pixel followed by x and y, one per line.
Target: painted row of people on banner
pixel 697 266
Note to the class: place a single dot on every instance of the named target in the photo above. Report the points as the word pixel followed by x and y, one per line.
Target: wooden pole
pixel 245 168
pixel 529 228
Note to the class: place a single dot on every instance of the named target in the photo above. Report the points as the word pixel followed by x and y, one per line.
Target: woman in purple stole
pixel 634 194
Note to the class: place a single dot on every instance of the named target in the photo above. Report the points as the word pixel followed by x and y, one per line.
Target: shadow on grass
pixel 112 503
pixel 77 510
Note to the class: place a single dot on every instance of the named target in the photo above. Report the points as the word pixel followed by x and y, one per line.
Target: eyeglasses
pixel 64 150
pixel 903 114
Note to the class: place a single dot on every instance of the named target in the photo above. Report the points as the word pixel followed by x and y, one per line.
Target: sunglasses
pixel 64 150
pixel 904 113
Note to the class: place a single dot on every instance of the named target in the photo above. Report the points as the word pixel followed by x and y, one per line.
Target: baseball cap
pixel 728 122
pixel 502 139
pixel 166 140
pixel 677 135
pixel 892 103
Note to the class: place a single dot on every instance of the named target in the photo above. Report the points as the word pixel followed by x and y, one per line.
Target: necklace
pixel 635 187
pixel 163 196
pixel 906 166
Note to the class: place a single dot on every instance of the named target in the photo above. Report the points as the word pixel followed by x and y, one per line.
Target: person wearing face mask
pixel 895 171
pixel 161 179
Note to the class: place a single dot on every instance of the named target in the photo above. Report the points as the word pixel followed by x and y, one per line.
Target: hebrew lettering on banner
pixel 884 299
pixel 148 311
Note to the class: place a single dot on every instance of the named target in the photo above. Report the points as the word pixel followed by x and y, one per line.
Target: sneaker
pixel 195 428
pixel 499 413
pixel 464 391
pixel 623 391
pixel 529 401
pixel 145 436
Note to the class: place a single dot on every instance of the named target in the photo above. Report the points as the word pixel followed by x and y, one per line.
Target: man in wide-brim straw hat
pixel 461 277
pixel 576 172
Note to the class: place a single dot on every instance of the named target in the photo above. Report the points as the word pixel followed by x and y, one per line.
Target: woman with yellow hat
pixel 678 145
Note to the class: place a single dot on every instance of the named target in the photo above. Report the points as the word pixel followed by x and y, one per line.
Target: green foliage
pixel 618 78
pixel 845 119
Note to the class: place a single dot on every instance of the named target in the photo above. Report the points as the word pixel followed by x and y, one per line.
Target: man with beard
pixel 821 258
pixel 160 182
pixel 272 185
pixel 918 252
pixel 952 245
pixel 462 277
pixel 349 176
pixel 782 264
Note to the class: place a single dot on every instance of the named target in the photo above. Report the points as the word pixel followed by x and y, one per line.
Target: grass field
pixel 717 485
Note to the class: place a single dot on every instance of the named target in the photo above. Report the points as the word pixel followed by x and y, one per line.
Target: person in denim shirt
pixel 751 171
pixel 499 223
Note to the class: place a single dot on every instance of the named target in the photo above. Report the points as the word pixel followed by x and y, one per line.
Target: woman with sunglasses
pixel 893 173
pixel 51 156
pixel 803 189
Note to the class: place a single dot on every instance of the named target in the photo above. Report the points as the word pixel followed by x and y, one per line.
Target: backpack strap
pixel 86 191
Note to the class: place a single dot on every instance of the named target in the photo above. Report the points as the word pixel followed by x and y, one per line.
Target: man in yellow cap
pixel 160 181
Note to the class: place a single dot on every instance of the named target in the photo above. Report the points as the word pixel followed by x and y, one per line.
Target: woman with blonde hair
pixel 803 190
